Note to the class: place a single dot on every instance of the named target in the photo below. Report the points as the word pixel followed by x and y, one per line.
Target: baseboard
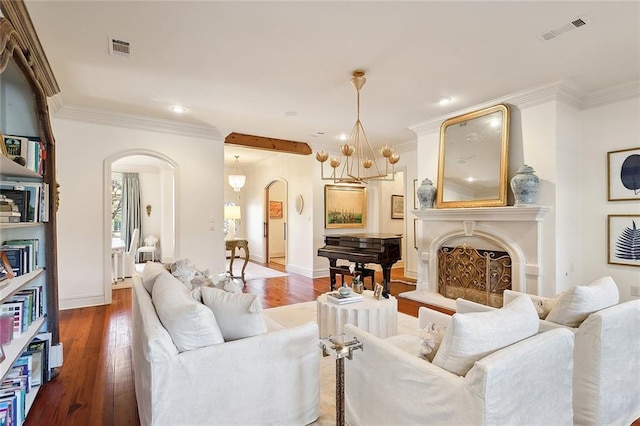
pixel 81 302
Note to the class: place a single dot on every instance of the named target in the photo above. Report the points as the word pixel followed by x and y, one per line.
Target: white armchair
pixel 528 382
pixel 129 256
pixel 606 364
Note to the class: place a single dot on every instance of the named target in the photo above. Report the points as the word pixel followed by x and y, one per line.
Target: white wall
pixel 82 247
pixel 277 192
pixel 607 128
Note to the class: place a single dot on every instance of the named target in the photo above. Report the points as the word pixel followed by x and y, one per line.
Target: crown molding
pixel 137 122
pixel 560 91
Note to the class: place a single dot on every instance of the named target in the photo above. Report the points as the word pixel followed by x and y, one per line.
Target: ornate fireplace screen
pixel 477 275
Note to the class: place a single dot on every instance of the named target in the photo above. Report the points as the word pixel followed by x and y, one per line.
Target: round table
pixel 378 317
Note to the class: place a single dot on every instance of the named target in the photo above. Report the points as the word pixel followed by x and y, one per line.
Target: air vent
pixel 119 47
pixel 576 23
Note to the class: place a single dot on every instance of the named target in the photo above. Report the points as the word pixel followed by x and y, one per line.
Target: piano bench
pixel 344 270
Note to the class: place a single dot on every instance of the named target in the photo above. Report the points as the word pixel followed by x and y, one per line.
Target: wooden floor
pixel 95 384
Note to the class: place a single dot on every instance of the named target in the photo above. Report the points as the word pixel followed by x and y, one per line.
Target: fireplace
pixel 513 234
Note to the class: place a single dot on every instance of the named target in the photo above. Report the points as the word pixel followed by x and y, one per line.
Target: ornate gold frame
pixel 501 199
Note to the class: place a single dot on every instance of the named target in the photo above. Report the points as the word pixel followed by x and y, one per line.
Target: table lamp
pixel 232 213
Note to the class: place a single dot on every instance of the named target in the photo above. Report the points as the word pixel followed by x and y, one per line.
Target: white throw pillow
pixel 239 315
pixel 150 273
pixel 190 324
pixel 472 336
pixel 576 304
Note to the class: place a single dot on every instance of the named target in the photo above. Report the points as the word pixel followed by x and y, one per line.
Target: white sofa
pixel 527 382
pixel 606 382
pixel 267 379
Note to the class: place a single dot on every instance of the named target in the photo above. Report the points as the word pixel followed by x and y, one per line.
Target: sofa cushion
pixel 472 336
pixel 190 324
pixel 150 273
pixel 576 304
pixel 239 315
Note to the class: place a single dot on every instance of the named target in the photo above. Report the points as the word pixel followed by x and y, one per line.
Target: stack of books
pixel 9 211
pixel 341 299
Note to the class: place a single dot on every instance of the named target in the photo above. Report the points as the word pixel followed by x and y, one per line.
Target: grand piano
pixel 383 249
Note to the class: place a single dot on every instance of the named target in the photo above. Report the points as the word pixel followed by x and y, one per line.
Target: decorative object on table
pixel 275 209
pixel 525 186
pixel 623 176
pixel 357 285
pixel 345 206
pixel 231 214
pixel 397 207
pixel 360 160
pixel 344 290
pixel 341 350
pixel 299 203
pixel 342 299
pixel 237 179
pixel 426 194
pixel 624 239
pixel 377 292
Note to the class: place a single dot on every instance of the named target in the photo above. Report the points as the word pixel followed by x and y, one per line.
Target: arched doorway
pixel 157 177
pixel 276 222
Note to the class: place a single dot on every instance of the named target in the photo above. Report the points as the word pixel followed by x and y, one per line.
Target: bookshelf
pixel 26 83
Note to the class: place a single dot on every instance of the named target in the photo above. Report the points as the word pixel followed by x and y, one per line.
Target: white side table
pixel 378 317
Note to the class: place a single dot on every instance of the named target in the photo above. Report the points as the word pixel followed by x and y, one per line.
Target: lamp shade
pixel 232 212
pixel 237 181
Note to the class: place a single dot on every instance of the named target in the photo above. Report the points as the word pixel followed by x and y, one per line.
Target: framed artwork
pixel 14 146
pixel 345 206
pixel 623 239
pixel 397 207
pixel 623 168
pixel 415 194
pixel 377 292
pixel 275 209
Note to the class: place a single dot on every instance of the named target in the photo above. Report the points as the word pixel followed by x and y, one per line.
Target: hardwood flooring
pixel 95 384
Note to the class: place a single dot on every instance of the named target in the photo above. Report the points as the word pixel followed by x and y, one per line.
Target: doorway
pixel 276 222
pixel 156 176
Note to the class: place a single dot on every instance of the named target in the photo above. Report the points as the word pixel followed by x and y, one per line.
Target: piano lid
pixel 365 236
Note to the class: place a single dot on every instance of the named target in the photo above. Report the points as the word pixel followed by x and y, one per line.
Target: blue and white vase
pixel 525 186
pixel 426 194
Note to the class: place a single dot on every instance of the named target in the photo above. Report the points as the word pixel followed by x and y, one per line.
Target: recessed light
pixel 343 137
pixel 178 109
pixel 445 101
pixel 290 113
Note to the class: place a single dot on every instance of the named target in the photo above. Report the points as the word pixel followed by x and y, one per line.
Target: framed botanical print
pixel 397 207
pixel 623 169
pixel 623 232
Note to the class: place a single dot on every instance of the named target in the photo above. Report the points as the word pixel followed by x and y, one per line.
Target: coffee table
pixel 378 317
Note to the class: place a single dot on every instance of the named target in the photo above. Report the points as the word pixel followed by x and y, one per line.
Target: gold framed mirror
pixel 472 163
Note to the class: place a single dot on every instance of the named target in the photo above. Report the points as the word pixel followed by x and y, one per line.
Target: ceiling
pixel 282 69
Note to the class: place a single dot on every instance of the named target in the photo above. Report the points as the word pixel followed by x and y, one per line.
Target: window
pixel 116 205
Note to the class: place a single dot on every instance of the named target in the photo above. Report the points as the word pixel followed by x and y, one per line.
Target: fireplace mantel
pixel 509 213
pixel 516 229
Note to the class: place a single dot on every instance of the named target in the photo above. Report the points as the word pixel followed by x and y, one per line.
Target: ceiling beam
pixel 270 144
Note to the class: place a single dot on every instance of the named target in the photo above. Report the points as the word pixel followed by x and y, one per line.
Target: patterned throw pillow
pixel 430 339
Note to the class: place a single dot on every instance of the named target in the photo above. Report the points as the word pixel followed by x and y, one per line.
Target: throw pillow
pixel 576 304
pixel 544 306
pixel 430 340
pixel 190 324
pixel 150 274
pixel 472 336
pixel 239 315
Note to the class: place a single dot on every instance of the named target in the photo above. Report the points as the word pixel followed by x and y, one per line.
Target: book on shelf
pixel 6 329
pixel 34 194
pixel 19 197
pixel 341 299
pixel 15 310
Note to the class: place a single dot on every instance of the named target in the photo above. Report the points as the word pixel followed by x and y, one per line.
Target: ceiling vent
pixel 119 47
pixel 576 23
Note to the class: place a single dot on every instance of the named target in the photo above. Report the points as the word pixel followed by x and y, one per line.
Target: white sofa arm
pixel 465 306
pixel 426 315
pixel 238 382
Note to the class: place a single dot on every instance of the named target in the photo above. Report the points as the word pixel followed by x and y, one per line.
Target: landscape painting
pixel 345 206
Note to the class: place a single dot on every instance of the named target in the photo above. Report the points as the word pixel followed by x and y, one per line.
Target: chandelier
pixel 360 163
pixel 237 179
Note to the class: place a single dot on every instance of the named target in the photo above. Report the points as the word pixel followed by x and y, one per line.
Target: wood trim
pixel 411 307
pixel 270 144
pixel 16 12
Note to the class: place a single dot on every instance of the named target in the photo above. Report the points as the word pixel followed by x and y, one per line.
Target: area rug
pixel 301 313
pixel 254 271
